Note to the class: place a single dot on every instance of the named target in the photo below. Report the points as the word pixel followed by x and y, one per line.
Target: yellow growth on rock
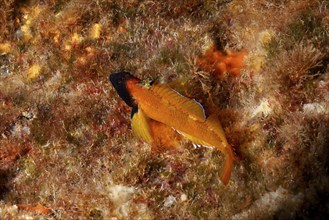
pixel 76 38
pixel 95 31
pixel 4 48
pixel 34 71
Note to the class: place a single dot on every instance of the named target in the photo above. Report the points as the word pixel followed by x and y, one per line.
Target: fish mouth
pixel 118 80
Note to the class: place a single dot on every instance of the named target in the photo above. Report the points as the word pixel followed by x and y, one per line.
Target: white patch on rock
pixel 271 202
pixel 169 201
pixel 19 131
pixel 183 197
pixel 315 108
pixel 120 196
pixel 263 109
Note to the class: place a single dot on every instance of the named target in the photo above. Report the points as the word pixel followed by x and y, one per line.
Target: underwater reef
pixel 66 146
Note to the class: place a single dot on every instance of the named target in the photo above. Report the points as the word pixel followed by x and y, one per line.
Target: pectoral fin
pixel 140 125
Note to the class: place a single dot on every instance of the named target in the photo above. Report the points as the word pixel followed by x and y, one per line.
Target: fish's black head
pixel 118 81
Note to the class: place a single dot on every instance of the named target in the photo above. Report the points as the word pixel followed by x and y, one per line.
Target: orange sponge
pixel 222 64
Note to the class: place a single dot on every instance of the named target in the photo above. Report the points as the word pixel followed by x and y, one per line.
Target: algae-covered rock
pixel 66 146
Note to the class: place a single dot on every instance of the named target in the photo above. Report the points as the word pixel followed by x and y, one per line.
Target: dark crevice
pixel 5 178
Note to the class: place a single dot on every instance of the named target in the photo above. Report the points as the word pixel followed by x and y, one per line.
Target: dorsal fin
pixel 193 108
pixel 140 126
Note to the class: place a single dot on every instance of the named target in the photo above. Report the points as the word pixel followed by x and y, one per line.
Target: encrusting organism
pixel 222 64
pixel 160 103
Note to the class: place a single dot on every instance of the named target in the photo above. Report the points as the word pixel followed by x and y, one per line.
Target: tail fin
pixel 226 173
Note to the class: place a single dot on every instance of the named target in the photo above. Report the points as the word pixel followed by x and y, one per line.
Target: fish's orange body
pixel 164 137
pixel 157 107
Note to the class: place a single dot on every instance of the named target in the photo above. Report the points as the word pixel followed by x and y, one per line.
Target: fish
pixel 158 102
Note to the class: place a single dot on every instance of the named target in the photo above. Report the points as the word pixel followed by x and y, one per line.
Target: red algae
pixel 40 209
